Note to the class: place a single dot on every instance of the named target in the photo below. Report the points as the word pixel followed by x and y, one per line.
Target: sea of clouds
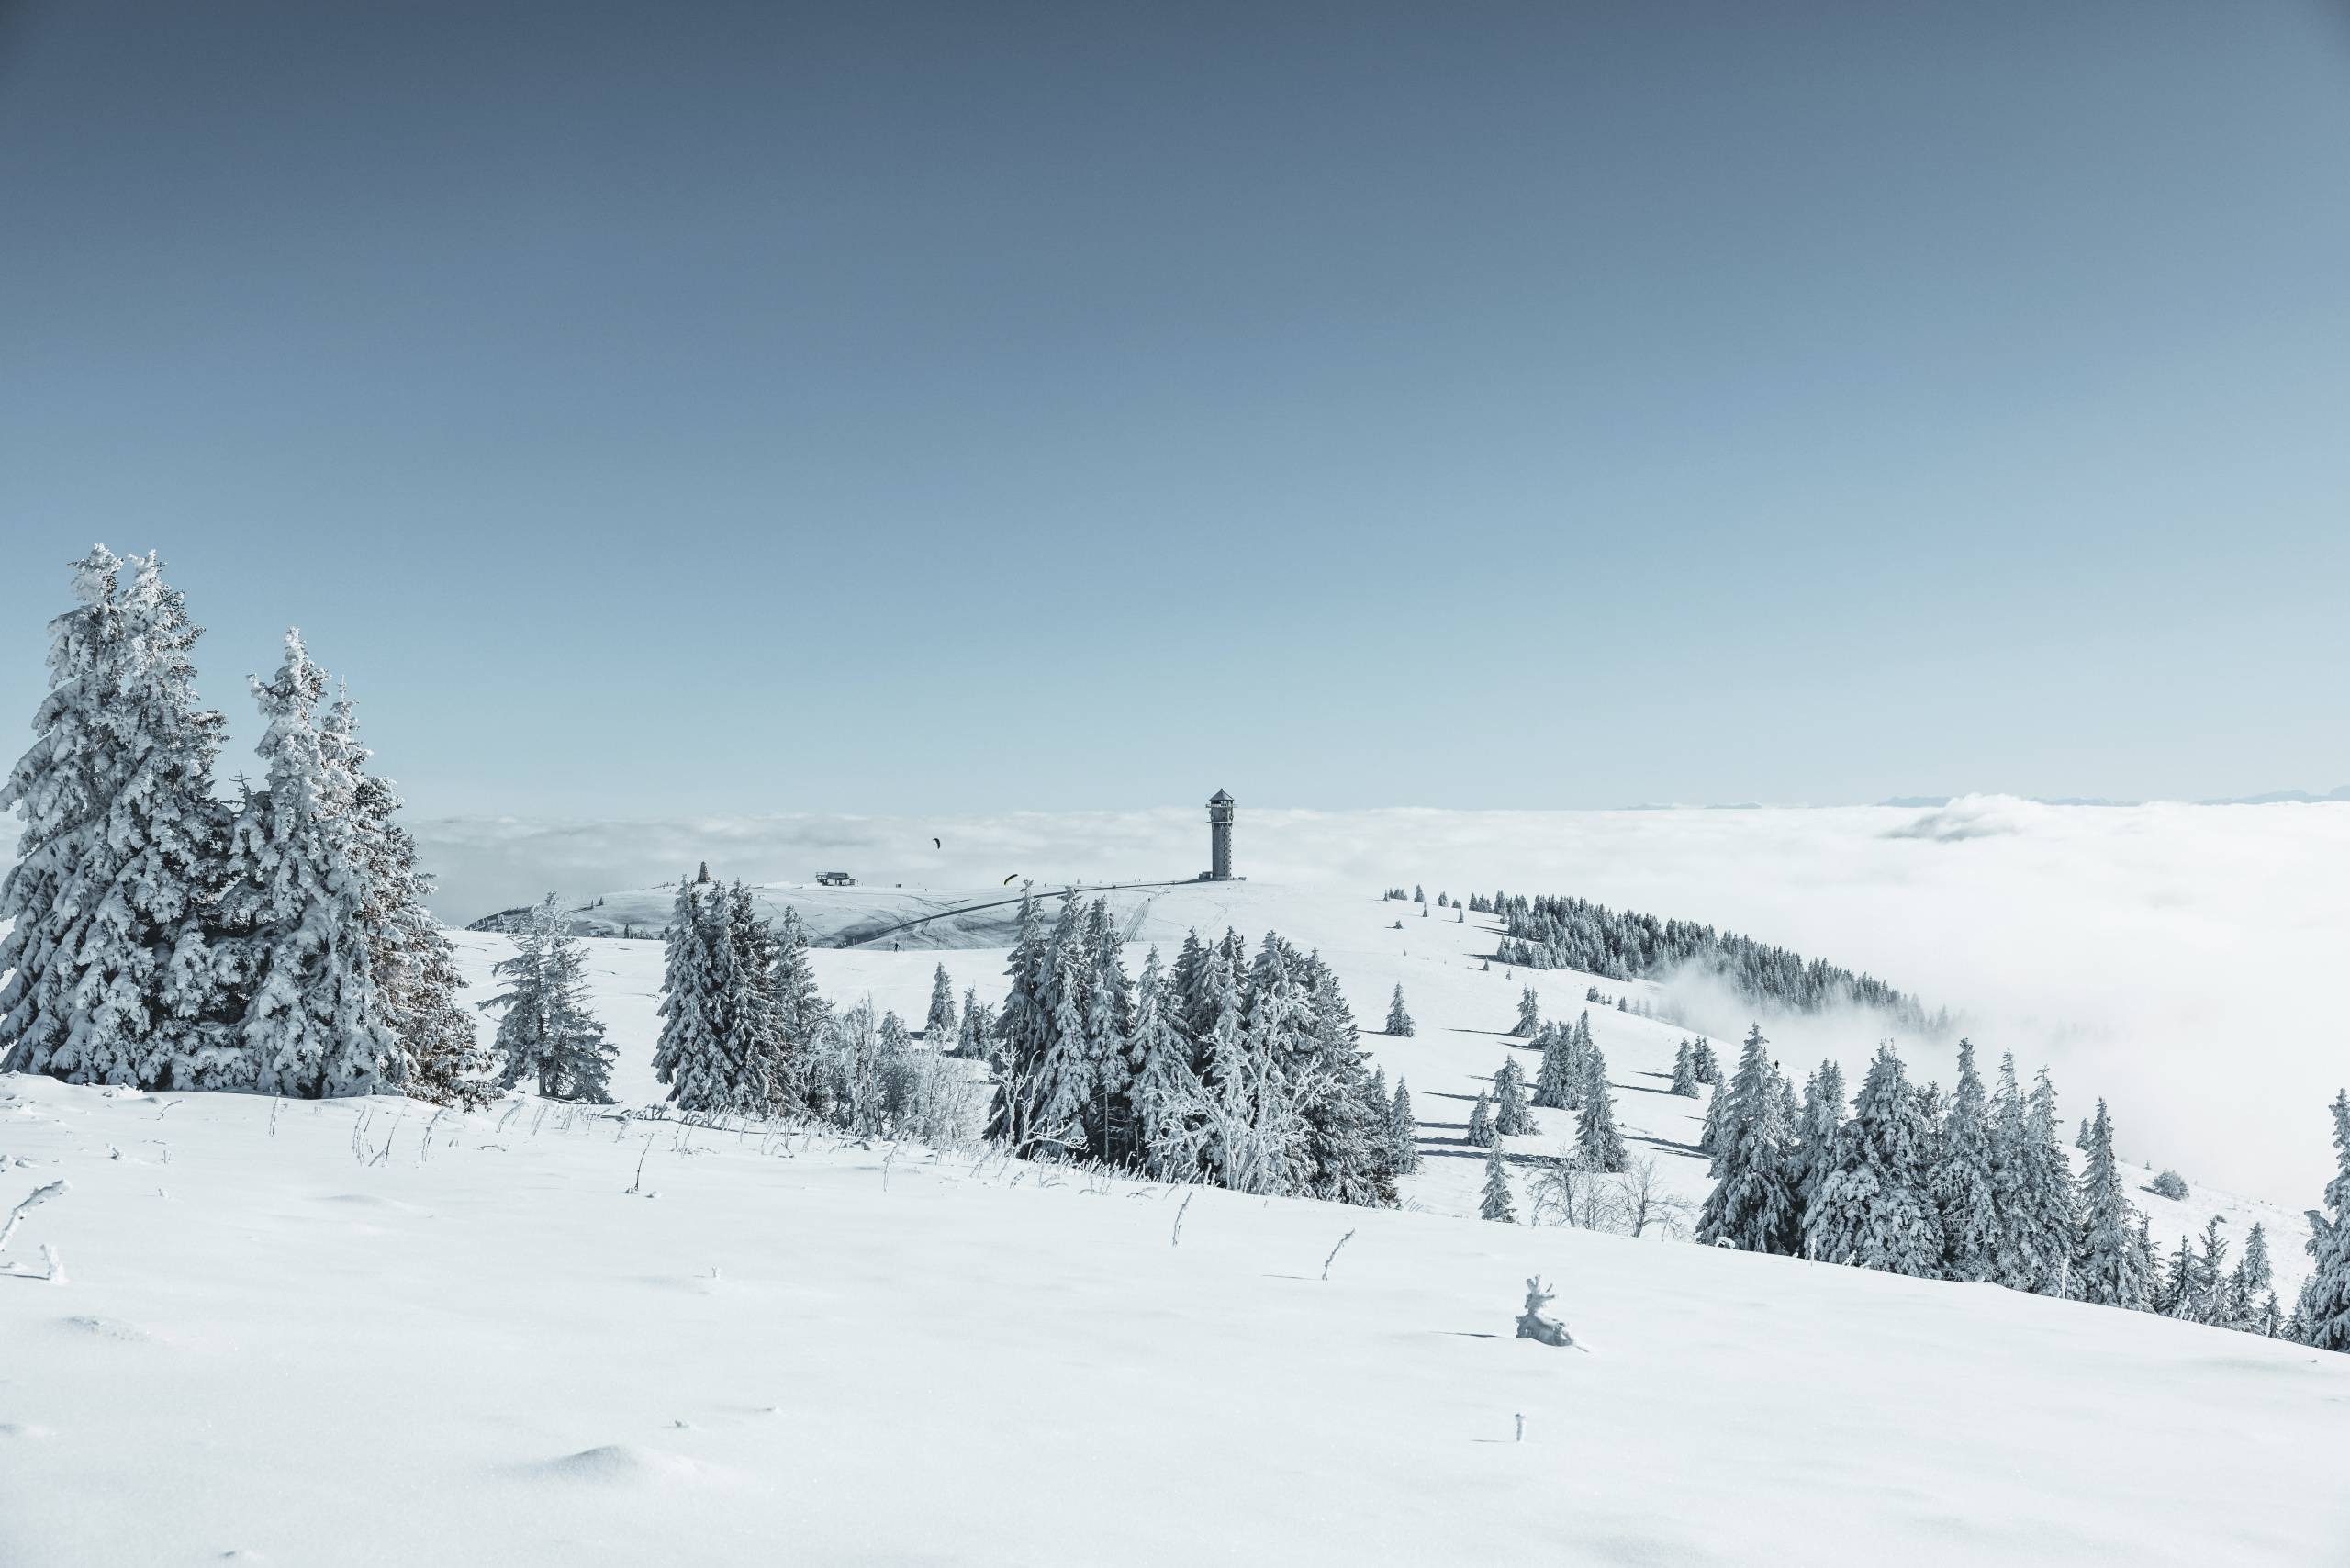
pixel 2181 962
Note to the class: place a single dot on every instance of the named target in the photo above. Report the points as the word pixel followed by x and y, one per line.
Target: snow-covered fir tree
pixel 1965 1180
pixel 1684 1073
pixel 295 911
pixel 110 976
pixel 1874 1210
pixel 1754 1206
pixel 696 1056
pixel 2038 1219
pixel 2107 1268
pixel 1403 1130
pixel 1496 1203
pixel 1399 1018
pixel 1480 1121
pixel 1817 1120
pixel 2253 1279
pixel 1023 1030
pixel 803 1010
pixel 1529 1014
pixel 2175 1296
pixel 1164 1082
pixel 2322 1315
pixel 1599 1145
pixel 2211 1276
pixel 974 1033
pixel 1553 1075
pixel 545 1029
pixel 1511 1117
pixel 938 1028
pixel 414 965
pixel 1702 1060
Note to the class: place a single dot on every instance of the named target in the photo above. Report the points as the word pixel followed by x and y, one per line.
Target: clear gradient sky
pixel 696 407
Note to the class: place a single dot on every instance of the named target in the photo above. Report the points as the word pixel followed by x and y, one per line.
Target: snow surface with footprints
pixel 359 1332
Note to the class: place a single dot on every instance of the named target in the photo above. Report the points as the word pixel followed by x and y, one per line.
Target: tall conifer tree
pixel 108 974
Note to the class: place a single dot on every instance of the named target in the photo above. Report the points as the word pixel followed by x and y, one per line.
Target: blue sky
pixel 905 409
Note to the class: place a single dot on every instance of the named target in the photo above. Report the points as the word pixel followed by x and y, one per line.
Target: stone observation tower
pixel 1219 838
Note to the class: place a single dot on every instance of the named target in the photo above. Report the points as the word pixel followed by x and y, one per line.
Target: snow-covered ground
pixel 2178 960
pixel 358 1333
pixel 1463 1010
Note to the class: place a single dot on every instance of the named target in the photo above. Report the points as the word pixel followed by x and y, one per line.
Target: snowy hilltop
pixel 844 1217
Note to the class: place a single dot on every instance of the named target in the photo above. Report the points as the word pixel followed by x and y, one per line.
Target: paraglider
pixel 935 844
pixel 1007 881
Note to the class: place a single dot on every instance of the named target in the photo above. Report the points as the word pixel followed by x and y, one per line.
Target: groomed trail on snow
pixel 358 1332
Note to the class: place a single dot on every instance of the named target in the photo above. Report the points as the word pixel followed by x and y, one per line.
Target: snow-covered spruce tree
pixel 1965 1181
pixel 1346 1109
pixel 1480 1121
pixel 897 1071
pixel 415 965
pixel 1164 1084
pixel 1068 1070
pixel 2172 1186
pixel 792 983
pixel 107 974
pixel 1529 1014
pixel 1109 1119
pixel 314 1022
pixel 2106 1268
pixel 1553 1076
pixel 1248 1126
pixel 2034 1185
pixel 1496 1203
pixel 2324 1311
pixel 2174 1297
pixel 547 1032
pixel 1817 1120
pixel 695 1055
pixel 1685 1073
pixel 971 1041
pixel 1702 1059
pixel 2253 1279
pixel 938 1028
pixel 2211 1276
pixel 1873 1211
pixel 578 1063
pixel 1754 1206
pixel 1713 1134
pixel 772 1068
pixel 1598 1145
pixel 1023 1033
pixel 1403 1130
pixel 1399 1019
pixel 1511 1117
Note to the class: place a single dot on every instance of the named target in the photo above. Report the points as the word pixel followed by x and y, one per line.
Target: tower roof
pixel 1219 798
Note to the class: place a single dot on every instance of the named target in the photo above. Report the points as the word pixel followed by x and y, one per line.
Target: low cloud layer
pixel 2178 961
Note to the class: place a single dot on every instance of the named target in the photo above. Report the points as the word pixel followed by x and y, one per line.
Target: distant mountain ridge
pixel 2276 798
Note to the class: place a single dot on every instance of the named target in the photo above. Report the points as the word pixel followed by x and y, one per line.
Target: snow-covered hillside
pixel 351 1332
pixel 363 1332
pixel 1464 1009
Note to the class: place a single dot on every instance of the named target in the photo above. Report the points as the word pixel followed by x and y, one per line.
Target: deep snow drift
pixel 356 1332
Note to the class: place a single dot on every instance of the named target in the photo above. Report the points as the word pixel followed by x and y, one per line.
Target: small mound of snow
pixel 625 1464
